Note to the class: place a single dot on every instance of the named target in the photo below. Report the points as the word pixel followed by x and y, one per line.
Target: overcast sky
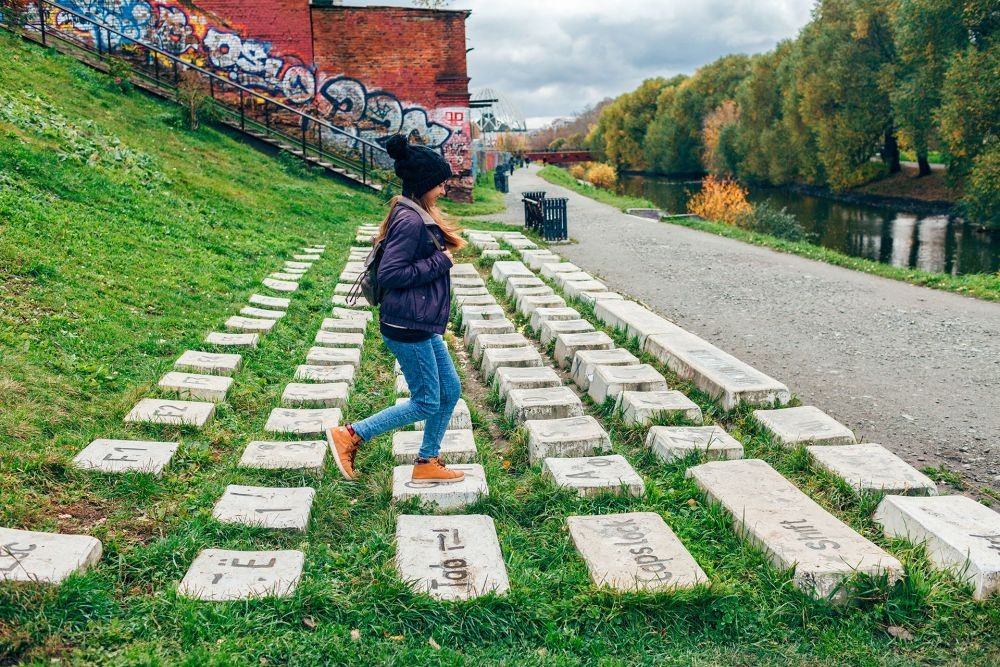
pixel 552 58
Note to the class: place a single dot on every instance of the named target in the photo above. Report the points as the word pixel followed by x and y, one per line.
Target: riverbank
pixel 980 286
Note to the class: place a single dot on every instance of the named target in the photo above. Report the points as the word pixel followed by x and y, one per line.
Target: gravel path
pixel 914 369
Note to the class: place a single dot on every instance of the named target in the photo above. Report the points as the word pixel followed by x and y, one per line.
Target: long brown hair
pixel 452 236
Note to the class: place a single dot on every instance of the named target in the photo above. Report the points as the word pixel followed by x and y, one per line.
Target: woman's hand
pixel 447 253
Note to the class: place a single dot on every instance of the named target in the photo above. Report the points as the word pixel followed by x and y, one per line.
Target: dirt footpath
pixel 914 369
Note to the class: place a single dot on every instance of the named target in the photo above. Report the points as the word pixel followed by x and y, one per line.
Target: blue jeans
pixel 434 392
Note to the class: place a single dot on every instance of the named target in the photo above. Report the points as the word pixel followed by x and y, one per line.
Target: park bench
pixel 546 215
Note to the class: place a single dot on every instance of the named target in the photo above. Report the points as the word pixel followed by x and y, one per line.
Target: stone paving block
pixel 355 267
pixel 317 250
pixel 402 387
pixel 873 468
pixel 218 575
pixel 276 302
pixel 339 339
pixel 265 507
pixel 522 244
pixel 585 361
pixel 517 282
pixel 568 344
pixel 464 269
pixel 311 257
pixel 470 313
pixel 532 377
pixel 481 300
pixel 591 475
pixel 178 413
pixel 306 422
pixel 251 324
pixel 290 277
pixel 503 270
pixel 517 357
pixel 348 277
pixel 550 270
pixel 522 292
pixel 452 495
pixel 461 418
pixel 343 288
pixel 475 327
pixel 635 320
pixel 794 532
pixel 792 426
pixel 308 373
pixel 325 395
pixel 333 356
pixel 458 446
pixel 552 315
pixel 467 281
pixel 961 535
pixel 350 302
pixel 610 381
pixel 490 341
pixel 645 407
pixel 671 443
pixel 126 456
pixel 396 368
pixel 298 265
pixel 191 385
pixel 713 371
pixel 498 254
pixel 633 551
pixel 351 314
pixel 45 558
pixel 528 253
pixel 362 239
pixel 285 454
pixel 455 557
pixel 478 290
pixel 298 273
pixel 280 285
pixel 547 403
pixel 536 262
pixel 592 298
pixel 209 363
pixel 568 437
pixel 552 327
pixel 562 278
pixel 529 304
pixel 232 340
pixel 343 325
pixel 573 288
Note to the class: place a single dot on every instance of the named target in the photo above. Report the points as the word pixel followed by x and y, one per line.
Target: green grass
pixel 979 285
pixel 109 270
pixel 486 201
pixel 934 157
pixel 560 176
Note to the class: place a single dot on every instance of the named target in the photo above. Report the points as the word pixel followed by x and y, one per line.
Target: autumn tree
pixel 624 123
pixel 719 153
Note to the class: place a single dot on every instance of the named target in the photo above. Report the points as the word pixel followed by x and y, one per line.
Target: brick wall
pixel 283 23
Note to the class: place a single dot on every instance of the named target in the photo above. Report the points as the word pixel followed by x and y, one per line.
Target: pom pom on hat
pixel 397 146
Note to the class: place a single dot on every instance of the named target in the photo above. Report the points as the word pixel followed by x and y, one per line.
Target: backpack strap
pixel 424 216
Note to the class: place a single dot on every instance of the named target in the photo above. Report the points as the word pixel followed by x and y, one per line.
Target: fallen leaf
pixel 692 502
pixel 506 465
pixel 899 633
pixel 65 516
pixel 434 644
pixel 355 635
pixel 308 622
pixel 397 638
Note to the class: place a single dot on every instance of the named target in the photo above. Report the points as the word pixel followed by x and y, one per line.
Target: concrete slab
pixel 592 298
pixel 476 327
pixel 960 534
pixel 232 340
pixel 634 551
pixel 550 270
pixel 471 313
pixel 339 339
pixel 299 265
pixel 573 288
pixel 490 341
pixel 402 387
pixel 795 532
pixel 343 288
pixel 126 456
pixel 518 282
pixel 276 302
pixel 310 257
pixel 531 377
pixel 592 475
pixel 311 373
pixel 477 290
pixel 452 495
pixel 569 437
pixel 546 403
pixel 351 314
pixel 325 395
pixel 458 446
pixel 872 468
pixel 503 270
pixel 280 285
pixel 450 557
pixel 793 426
pixel 192 385
pixel 481 300
pixel 522 244
pixel 540 315
pixel 281 275
pixel 527 305
pixel 178 413
pixel 585 361
pixel 265 507
pixel 646 407
pixel 514 357
pixel 713 371
pixel 551 328
pixel 45 558
pixel 568 344
pixel 464 269
pixel 536 262
pixel 218 575
pixel 611 381
pixel 671 443
pixel 521 292
pixel 285 454
pixel 251 324
pixel 350 302
pixel 467 281
pixel 343 325
pixel 561 279
pixel 304 422
pixel 635 320
pixel 208 363
pixel 333 356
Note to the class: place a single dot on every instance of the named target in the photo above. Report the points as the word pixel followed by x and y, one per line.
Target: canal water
pixel 937 243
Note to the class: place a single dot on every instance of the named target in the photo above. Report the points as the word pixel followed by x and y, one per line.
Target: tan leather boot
pixel 344 445
pixel 435 471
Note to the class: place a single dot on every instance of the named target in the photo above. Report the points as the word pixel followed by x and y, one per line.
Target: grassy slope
pixel 108 272
pixel 978 285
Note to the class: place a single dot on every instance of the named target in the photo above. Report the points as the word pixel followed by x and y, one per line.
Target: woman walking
pixel 415 272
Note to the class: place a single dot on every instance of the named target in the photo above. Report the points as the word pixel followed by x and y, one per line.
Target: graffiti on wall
pixel 366 114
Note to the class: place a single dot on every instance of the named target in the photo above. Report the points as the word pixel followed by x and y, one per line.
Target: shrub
pixel 192 93
pixel 602 176
pixel 981 201
pixel 120 71
pixel 578 171
pixel 722 200
pixel 766 219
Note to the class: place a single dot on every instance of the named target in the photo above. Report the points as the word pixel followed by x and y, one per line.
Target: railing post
pixel 97 37
pixel 156 66
pixel 243 125
pixel 211 87
pixel 41 19
pixel 364 163
pixel 267 114
pixel 176 76
pixel 303 124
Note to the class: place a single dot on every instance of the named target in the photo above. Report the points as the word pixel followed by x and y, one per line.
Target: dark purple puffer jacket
pixel 416 275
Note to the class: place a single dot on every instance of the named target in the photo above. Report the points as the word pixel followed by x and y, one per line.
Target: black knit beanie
pixel 420 168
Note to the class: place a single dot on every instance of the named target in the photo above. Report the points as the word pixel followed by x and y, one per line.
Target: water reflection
pixel 932 243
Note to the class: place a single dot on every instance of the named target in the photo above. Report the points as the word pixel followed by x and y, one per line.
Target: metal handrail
pixel 368 148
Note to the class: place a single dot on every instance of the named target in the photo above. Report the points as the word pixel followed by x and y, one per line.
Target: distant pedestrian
pixel 415 271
